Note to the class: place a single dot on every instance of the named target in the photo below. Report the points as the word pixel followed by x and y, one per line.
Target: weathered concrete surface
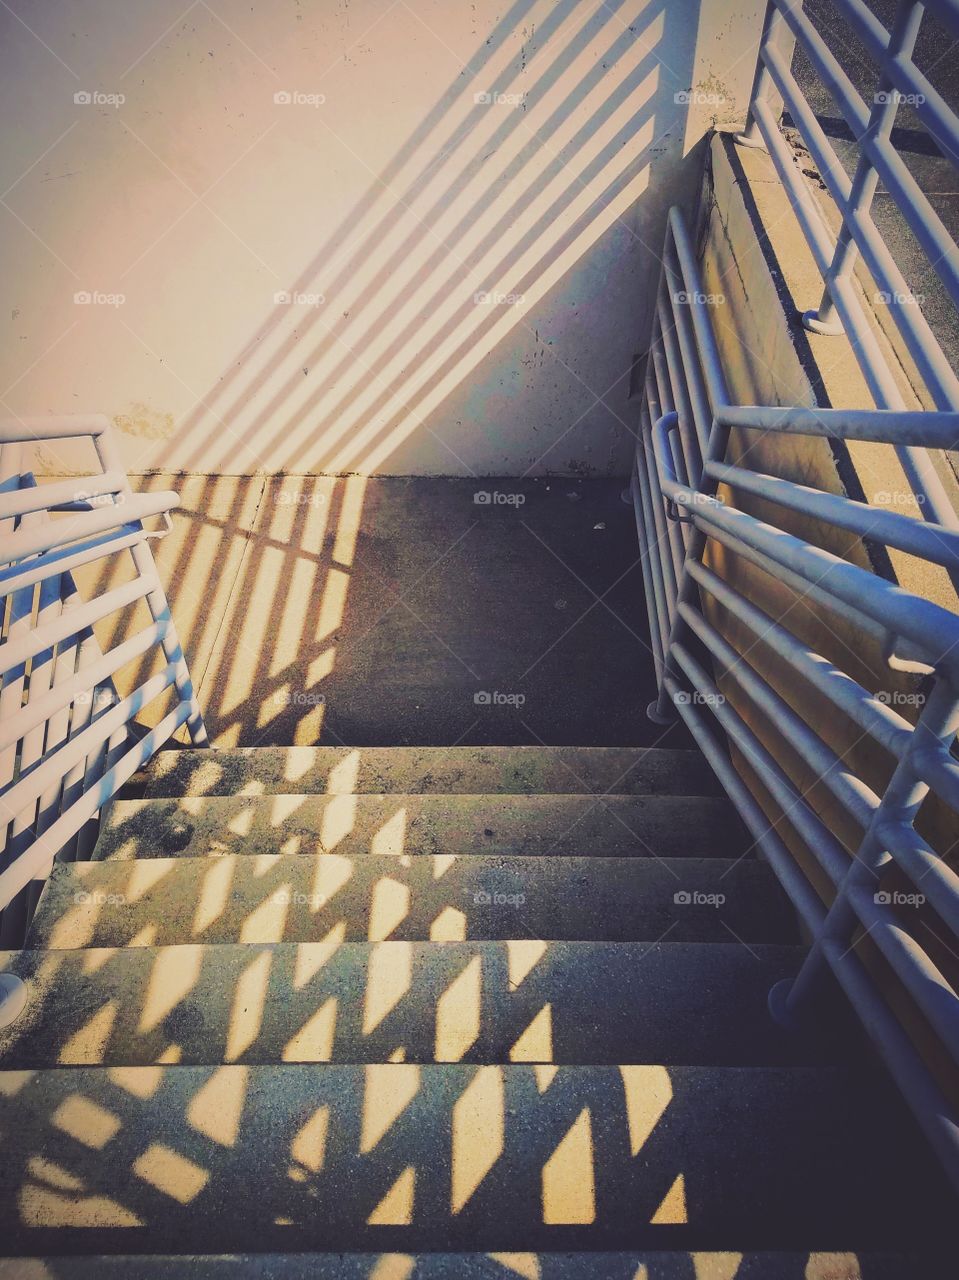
pixel 579 1002
pixel 667 826
pixel 750 1265
pixel 429 771
pixel 404 611
pixel 402 1156
pixel 439 262
pixel 296 897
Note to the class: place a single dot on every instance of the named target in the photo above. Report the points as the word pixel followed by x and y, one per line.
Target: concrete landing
pixel 408 611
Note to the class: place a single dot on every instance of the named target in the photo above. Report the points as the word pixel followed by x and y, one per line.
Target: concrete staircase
pixel 458 1011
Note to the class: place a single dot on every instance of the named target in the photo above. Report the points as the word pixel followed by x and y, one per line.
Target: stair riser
pixel 472 1002
pixel 437 770
pixel 406 1157
pixel 749 1265
pixel 296 898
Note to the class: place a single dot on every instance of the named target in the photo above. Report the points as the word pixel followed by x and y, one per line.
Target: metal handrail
pixel 67 741
pixel 686 417
pixel 841 309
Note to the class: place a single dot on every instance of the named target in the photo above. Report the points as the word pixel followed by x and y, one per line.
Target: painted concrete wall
pixel 395 236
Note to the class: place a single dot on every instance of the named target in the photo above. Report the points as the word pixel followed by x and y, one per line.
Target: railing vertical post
pixel 882 117
pixel 774 30
pixel 790 1000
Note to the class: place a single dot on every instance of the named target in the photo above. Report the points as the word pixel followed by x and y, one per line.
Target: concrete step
pixel 489 1002
pixel 312 897
pixel 449 770
pixel 667 826
pixel 732 1265
pixel 458 1157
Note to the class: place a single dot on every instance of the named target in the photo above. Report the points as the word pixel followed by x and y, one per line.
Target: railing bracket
pixel 13 998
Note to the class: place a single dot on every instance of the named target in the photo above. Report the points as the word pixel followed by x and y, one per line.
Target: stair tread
pixel 298 897
pixel 454 1156
pixel 741 1264
pixel 664 826
pixel 490 1002
pixel 429 769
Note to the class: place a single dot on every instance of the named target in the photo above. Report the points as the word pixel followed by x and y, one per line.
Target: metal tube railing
pixel 677 477
pixel 67 740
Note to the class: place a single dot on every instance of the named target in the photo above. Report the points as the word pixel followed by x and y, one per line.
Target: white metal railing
pixel 68 741
pixel 898 81
pixel 686 416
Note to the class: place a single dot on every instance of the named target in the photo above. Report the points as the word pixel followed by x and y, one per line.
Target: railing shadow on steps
pixel 68 741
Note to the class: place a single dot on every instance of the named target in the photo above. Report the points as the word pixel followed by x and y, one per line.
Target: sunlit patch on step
pixel 648 1091
pixel 343 777
pixel 89 1043
pixel 833 1266
pixel 525 1266
pixel 725 1266
pixel 389 976
pixel 314 1040
pixel 479 1124
pixel 86 1121
pixel 249 1002
pixel 310 957
pixel 141 1082
pixel 535 1044
pixel 214 894
pixel 458 1013
pixel 205 777
pixel 217 1107
pixel 390 839
pixel 175 972
pixel 390 907
pixel 332 873
pixel 388 1091
pixel 339 819
pixel 569 1188
pixel 267 922
pixel 396 1207
pixel 449 926
pixel 393 1266
pixel 308 1147
pixel 672 1208
pixel 55 1198
pixel 523 955
pixel 242 821
pixel 171 1173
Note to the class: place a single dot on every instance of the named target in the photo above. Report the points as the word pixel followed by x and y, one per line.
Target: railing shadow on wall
pixel 456 248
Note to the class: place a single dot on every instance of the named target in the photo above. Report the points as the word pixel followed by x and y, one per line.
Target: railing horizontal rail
pixel 883 426
pixel 42 497
pixel 73 528
pixel 63 694
pixel 16 652
pixel 928 541
pixel 55 765
pixel 63 560
pixel 929 626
